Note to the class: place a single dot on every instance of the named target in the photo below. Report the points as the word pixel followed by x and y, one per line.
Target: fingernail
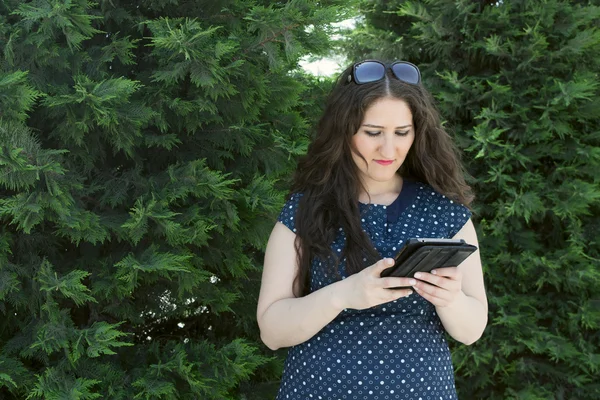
pixel 389 261
pixel 412 282
pixel 416 288
pixel 418 275
pixel 434 272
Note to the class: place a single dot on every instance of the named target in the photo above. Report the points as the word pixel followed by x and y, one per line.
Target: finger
pixel 392 282
pixel 428 280
pixel 382 264
pixel 433 293
pixel 431 278
pixel 442 281
pixel 399 293
pixel 436 301
pixel 449 272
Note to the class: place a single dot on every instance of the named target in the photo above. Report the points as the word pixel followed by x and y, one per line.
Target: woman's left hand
pixel 441 287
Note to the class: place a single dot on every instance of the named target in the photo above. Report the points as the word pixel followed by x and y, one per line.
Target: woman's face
pixel 383 139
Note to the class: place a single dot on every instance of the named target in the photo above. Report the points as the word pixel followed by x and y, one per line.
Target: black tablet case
pixel 427 254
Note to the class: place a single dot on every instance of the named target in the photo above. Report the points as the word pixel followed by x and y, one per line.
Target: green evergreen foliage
pixel 517 82
pixel 144 149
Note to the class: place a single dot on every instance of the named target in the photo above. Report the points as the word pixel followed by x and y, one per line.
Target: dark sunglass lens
pixel 369 72
pixel 406 72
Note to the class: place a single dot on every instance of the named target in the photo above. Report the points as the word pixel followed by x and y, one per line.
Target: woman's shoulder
pixel 431 194
pixel 288 212
pixel 439 201
pixel 292 200
pixel 445 210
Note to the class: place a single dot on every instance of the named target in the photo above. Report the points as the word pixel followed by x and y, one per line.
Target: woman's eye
pixel 402 133
pixel 371 133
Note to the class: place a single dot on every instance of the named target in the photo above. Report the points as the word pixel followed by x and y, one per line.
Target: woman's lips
pixel 384 162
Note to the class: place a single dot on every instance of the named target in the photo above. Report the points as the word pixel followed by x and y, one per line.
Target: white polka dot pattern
pixel 395 350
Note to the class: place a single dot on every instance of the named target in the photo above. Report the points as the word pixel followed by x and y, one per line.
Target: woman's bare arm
pixel 286 320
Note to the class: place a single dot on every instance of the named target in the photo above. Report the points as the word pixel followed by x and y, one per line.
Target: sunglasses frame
pixel 352 76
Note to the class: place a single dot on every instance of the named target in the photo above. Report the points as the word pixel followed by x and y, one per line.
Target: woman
pixel 380 171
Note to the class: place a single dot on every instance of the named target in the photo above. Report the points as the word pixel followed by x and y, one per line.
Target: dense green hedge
pixel 144 152
pixel 145 148
pixel 518 84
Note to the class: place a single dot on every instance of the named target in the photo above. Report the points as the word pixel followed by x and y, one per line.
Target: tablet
pixel 424 255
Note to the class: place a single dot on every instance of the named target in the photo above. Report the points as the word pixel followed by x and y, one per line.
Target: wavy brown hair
pixel 330 182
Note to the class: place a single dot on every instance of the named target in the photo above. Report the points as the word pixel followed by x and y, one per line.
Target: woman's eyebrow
pixel 381 127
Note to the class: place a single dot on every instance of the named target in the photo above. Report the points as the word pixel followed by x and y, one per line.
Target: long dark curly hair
pixel 330 181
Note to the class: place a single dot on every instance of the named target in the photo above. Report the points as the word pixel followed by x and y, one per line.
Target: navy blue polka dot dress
pixel 396 350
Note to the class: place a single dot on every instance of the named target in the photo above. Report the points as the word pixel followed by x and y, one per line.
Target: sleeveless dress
pixel 396 350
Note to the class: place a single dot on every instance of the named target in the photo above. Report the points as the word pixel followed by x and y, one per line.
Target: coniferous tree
pixel 517 82
pixel 143 147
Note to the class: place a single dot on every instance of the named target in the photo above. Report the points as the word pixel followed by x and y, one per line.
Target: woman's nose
pixel 387 148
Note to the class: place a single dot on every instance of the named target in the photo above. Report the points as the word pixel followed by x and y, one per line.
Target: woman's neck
pixel 382 192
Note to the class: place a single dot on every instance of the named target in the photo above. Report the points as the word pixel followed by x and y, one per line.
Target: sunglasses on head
pixel 372 71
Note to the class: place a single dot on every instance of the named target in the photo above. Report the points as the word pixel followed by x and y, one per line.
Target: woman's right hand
pixel 367 288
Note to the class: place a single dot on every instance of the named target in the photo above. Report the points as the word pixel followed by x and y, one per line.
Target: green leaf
pixel 68 285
